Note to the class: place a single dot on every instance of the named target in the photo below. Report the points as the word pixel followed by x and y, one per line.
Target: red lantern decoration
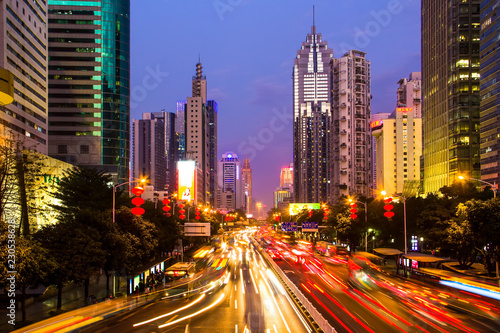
pixel 354 216
pixel 197 217
pixel 137 210
pixel 182 217
pixel 166 201
pixel 166 208
pixel 138 190
pixel 353 210
pixel 137 201
pixel 181 206
pixel 389 214
pixel 388 207
pixel 181 211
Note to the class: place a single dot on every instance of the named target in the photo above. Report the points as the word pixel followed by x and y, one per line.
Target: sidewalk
pixel 45 306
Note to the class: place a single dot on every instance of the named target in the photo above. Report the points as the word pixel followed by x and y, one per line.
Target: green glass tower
pixel 89 84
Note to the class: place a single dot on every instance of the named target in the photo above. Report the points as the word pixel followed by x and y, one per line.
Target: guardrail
pixel 323 324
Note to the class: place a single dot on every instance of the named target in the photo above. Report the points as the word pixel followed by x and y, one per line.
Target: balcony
pixel 359 129
pixel 343 145
pixel 343 105
pixel 344 132
pixel 343 118
pixel 360 115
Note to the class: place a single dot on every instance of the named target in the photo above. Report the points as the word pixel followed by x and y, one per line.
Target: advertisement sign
pixel 186 180
pixel 296 208
pixel 309 226
pixel 196 229
pixel 289 226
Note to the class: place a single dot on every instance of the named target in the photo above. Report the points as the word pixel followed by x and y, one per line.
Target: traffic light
pixel 353 210
pixel 137 201
pixel 181 212
pixel 388 207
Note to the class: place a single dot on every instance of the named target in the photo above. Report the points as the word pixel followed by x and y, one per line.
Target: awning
pixel 387 251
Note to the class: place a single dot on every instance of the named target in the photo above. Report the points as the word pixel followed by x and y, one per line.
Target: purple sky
pixel 247 50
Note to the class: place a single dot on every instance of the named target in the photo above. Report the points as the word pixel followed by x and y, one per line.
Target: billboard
pixel 296 208
pixel 196 229
pixel 186 180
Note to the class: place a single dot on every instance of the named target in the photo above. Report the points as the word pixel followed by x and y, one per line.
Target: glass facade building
pixel 490 91
pixel 450 91
pixel 89 84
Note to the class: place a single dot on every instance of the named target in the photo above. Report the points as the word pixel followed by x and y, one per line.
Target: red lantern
pixel 353 210
pixel 166 208
pixel 138 190
pixel 182 217
pixel 181 206
pixel 181 211
pixel 354 216
pixel 166 201
pixel 137 201
pixel 389 214
pixel 137 210
pixel 197 217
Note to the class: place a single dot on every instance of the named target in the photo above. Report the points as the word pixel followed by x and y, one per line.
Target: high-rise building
pixel 89 84
pixel 490 92
pixel 450 91
pixel 247 179
pixel 155 150
pixel 312 119
pixel 399 139
pixel 377 119
pixel 23 52
pixel 200 121
pixel 230 181
pixel 180 124
pixel 351 157
pixel 286 176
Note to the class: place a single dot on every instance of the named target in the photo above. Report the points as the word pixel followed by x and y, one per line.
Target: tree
pixel 75 250
pixel 169 230
pixel 81 188
pixel 461 239
pixel 142 236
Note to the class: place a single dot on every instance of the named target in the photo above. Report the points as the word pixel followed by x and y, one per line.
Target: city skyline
pixel 249 66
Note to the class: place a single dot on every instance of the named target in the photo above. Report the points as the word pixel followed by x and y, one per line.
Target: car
pixel 274 253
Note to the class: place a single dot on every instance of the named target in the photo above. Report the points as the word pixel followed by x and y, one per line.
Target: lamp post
pixel 366 220
pixel 404 214
pixel 494 185
pixel 114 193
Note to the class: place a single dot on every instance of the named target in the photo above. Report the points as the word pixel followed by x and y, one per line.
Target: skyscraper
pixel 155 147
pixel 377 119
pixel 201 136
pixel 23 52
pixel 351 158
pixel 247 179
pixel 283 195
pixel 286 176
pixel 89 84
pixel 230 181
pixel 490 93
pixel 312 119
pixel 450 91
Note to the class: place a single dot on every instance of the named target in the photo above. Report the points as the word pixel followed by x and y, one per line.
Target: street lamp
pixel 404 214
pixel 366 220
pixel 142 181
pixel 494 185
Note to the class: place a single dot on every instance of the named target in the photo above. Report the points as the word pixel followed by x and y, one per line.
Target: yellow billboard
pixel 186 178
pixel 296 208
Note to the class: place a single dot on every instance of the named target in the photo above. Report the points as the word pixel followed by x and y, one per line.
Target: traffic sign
pixel 309 226
pixel 289 226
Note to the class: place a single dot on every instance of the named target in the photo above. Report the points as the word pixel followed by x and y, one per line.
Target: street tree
pixel 461 239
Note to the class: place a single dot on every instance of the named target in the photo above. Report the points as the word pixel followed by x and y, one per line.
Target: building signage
pixel 296 208
pixel 289 226
pixel 196 229
pixel 186 180
pixel 309 226
pixel 376 124
pixel 404 109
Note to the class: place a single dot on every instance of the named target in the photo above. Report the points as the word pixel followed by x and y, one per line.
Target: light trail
pixel 254 284
pixel 171 313
pixel 242 285
pixel 194 314
pixel 276 303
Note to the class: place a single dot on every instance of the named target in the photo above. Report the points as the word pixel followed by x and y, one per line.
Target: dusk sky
pixel 247 49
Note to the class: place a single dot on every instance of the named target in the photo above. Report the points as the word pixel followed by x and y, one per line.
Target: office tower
pixel 200 131
pixel 286 176
pixel 247 183
pixel 351 159
pixel 155 150
pixel 312 119
pixel 450 91
pixel 399 139
pixel 23 52
pixel 211 111
pixel 490 95
pixel 230 182
pixel 89 84
pixel 180 124
pixel 377 119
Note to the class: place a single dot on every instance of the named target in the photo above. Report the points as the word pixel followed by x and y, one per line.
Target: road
pixel 247 298
pixel 391 304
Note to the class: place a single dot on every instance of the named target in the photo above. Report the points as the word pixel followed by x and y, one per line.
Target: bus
pixel 180 270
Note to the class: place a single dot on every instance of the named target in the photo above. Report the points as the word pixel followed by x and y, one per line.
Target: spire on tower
pixel 313 28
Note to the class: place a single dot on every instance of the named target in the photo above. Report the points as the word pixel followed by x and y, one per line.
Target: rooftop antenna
pixel 313 28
